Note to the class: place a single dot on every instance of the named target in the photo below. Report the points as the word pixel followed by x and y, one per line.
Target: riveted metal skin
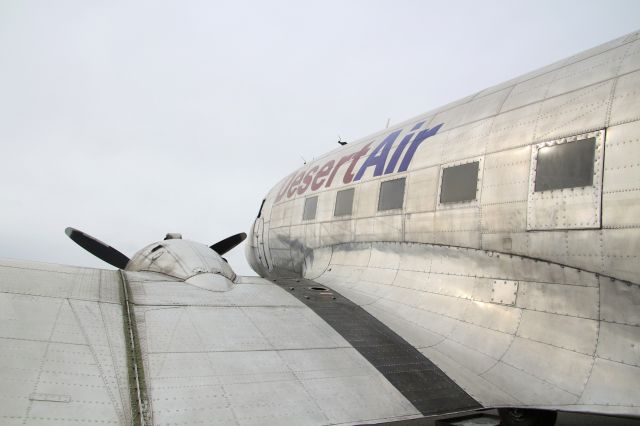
pixel 412 374
pixel 576 207
pixel 149 348
pixel 63 346
pixel 253 354
pixel 517 298
pixel 524 298
pixel 182 259
pixel 510 322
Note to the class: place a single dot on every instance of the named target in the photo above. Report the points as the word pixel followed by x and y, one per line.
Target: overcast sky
pixel 130 119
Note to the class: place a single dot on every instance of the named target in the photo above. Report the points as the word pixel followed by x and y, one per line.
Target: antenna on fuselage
pixel 305 161
pixel 341 142
pixel 388 121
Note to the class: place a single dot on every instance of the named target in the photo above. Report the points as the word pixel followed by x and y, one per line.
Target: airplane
pixel 483 255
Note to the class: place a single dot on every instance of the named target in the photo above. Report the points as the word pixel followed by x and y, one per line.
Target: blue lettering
pixel 396 155
pixel 417 126
pixel 420 137
pixel 378 156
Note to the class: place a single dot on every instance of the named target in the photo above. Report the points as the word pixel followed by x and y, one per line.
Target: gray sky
pixel 131 119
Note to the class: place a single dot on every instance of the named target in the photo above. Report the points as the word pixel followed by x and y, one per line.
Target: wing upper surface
pixel 62 346
pixel 251 355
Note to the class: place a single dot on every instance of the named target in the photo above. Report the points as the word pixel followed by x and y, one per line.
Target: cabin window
pixel 567 165
pixel 310 207
pixel 391 194
pixel 459 183
pixel 344 202
pixel 565 183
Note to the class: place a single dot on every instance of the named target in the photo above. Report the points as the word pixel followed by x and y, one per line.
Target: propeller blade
pixel 98 248
pixel 223 246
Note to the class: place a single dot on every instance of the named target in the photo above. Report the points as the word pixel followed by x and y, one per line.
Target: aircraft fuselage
pixel 499 234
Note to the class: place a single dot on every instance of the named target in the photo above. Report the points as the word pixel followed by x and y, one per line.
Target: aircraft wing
pixel 63 352
pixel 83 345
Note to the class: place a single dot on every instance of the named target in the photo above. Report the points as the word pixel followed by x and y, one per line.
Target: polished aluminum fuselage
pixel 523 297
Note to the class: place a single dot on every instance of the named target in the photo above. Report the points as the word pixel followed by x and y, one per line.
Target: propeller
pixel 98 248
pixel 114 258
pixel 223 246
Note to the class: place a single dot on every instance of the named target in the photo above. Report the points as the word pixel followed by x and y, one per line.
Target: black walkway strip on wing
pixel 418 379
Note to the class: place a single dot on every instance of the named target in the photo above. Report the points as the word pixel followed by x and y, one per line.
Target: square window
pixel 459 183
pixel 344 202
pixel 391 194
pixel 310 207
pixel 567 165
pixel 565 183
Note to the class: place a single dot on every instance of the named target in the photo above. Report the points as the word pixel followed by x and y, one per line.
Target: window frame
pixel 304 209
pixel 573 143
pixel 335 205
pixel 581 205
pixel 404 196
pixel 461 204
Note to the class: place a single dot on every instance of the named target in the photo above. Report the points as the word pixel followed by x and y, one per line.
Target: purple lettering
pixel 397 153
pixel 378 156
pixel 307 180
pixel 420 137
pixel 324 170
pixel 285 186
pixel 294 184
pixel 335 169
pixel 348 175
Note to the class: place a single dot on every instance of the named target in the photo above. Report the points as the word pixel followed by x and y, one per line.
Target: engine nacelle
pixel 193 262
